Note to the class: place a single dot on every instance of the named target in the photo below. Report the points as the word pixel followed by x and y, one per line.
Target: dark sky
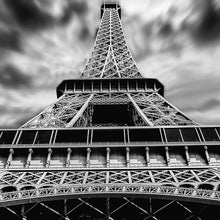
pixel 43 42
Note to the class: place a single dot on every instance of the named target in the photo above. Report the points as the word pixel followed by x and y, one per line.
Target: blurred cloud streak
pixel 43 42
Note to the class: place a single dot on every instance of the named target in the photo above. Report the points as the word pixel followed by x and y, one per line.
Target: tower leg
pixel 65 209
pixel 107 217
pixel 23 213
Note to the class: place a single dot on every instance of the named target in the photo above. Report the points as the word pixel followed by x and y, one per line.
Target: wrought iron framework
pixel 151 107
pixel 153 191
pixel 110 56
pixel 198 178
pixel 110 141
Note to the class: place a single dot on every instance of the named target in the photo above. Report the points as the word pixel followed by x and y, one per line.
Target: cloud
pixel 209 25
pixel 14 117
pixel 205 27
pixel 210 104
pixel 28 14
pixel 43 42
pixel 10 40
pixel 36 15
pixel 79 8
pixel 166 29
pixel 84 33
pixel 160 33
pixel 11 77
pixel 176 26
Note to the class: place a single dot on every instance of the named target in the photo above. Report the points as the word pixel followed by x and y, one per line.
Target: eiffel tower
pixel 110 147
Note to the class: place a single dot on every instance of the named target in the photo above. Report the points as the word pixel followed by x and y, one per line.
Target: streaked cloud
pixel 43 42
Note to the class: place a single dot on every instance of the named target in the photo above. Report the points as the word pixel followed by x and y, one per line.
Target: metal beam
pixel 143 116
pixel 80 112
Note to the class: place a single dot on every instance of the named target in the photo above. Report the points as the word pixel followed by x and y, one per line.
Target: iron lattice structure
pixel 110 57
pixel 110 147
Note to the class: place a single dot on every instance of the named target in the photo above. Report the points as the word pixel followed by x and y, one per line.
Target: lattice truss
pixel 60 113
pixel 159 111
pixel 21 187
pixel 75 110
pixel 108 208
pixel 173 177
pixel 110 57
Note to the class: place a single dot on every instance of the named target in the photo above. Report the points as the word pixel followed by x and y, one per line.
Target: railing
pixel 163 192
pixel 164 135
pixel 110 85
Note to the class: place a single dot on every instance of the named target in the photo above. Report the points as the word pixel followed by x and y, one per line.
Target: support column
pixel 11 152
pixel 167 155
pixel 140 112
pixel 29 158
pixel 187 155
pixel 79 113
pixel 23 213
pixel 65 209
pixel 127 156
pixel 69 151
pixel 107 177
pixel 147 155
pixel 48 157
pixel 88 157
pixel 107 156
pixel 107 216
pixel 207 154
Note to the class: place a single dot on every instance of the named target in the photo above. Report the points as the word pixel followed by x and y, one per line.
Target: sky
pixel 43 42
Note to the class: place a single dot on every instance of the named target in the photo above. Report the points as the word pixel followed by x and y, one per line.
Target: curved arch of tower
pixel 110 147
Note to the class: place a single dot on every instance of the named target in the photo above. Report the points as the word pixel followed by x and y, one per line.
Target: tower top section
pixel 111 57
pixel 112 5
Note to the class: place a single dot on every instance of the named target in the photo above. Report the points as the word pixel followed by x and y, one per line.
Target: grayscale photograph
pixel 109 109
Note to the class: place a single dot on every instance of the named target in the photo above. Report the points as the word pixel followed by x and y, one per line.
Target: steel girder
pixel 61 112
pixel 111 56
pixel 100 190
pixel 110 208
pixel 158 110
pixel 152 108
pixel 145 193
pixel 194 178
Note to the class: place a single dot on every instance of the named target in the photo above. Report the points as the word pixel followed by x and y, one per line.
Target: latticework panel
pixel 128 208
pixel 110 158
pixel 159 111
pixel 60 113
pixel 110 194
pixel 150 109
pixel 110 57
pixel 190 178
